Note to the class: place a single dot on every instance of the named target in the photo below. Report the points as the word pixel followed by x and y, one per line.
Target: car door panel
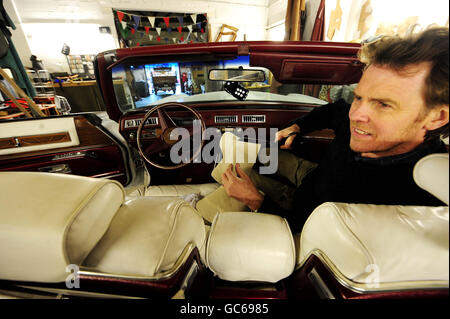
pixel 90 151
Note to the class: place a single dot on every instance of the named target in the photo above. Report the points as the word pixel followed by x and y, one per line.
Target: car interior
pixel 97 208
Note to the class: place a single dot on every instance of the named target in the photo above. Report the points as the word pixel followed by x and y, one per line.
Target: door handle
pixel 60 168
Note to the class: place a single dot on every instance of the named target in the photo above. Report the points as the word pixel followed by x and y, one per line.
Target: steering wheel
pixel 163 142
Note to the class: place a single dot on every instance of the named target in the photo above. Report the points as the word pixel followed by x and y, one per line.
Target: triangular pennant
pixel 150 37
pixel 199 25
pixel 180 19
pixel 147 30
pixel 190 28
pixel 179 29
pixel 169 30
pixel 136 19
pixel 137 44
pixel 182 39
pixel 174 40
pixel 166 20
pixel 152 21
pixel 158 39
pixel 133 31
pixel 166 39
pixel 125 33
pixel 141 34
pixel 120 15
pixel 124 24
pixel 202 30
pixel 158 30
pixel 194 18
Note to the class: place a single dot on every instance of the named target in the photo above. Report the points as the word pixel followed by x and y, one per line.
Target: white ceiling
pixel 32 11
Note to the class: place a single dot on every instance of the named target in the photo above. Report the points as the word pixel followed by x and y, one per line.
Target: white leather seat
pixel 244 246
pixel 373 248
pixel 181 190
pixel 146 237
pixel 49 221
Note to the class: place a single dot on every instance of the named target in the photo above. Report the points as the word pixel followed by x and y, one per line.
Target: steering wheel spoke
pixel 157 146
pixel 165 120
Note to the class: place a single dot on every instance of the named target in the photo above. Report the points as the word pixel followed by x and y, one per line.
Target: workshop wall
pixel 48 24
pixel 356 20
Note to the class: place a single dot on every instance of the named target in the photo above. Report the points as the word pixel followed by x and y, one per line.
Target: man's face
pixel 388 114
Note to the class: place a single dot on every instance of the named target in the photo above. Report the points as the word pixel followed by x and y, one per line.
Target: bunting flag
pixel 196 27
pixel 136 19
pixel 166 21
pixel 125 33
pixel 120 15
pixel 151 20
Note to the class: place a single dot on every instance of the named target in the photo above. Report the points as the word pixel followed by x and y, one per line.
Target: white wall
pixel 18 35
pixel 275 20
pixel 48 24
pixel 43 26
pixel 387 12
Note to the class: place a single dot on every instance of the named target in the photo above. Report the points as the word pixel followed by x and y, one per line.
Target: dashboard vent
pixel 226 119
pixel 253 119
pixel 136 122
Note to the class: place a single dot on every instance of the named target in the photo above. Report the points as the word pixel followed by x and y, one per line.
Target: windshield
pixel 143 85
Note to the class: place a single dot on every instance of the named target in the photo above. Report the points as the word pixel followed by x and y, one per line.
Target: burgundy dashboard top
pixel 289 61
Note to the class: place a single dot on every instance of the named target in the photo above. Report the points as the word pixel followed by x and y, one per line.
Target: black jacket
pixel 345 176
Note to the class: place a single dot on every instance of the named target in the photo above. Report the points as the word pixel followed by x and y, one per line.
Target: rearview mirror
pixel 237 75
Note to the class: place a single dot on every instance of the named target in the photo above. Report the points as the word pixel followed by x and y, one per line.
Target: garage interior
pixel 82 91
pixel 57 41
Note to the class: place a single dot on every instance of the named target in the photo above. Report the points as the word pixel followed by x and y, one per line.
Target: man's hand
pixel 287 133
pixel 241 188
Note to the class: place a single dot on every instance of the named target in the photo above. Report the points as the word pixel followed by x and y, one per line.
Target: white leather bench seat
pixel 181 190
pixel 146 237
pixel 376 247
pixel 48 221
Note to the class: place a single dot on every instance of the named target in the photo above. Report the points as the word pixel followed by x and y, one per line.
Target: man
pixel 399 112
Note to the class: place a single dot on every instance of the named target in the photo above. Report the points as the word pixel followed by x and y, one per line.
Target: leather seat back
pixel 48 221
pixel 379 247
